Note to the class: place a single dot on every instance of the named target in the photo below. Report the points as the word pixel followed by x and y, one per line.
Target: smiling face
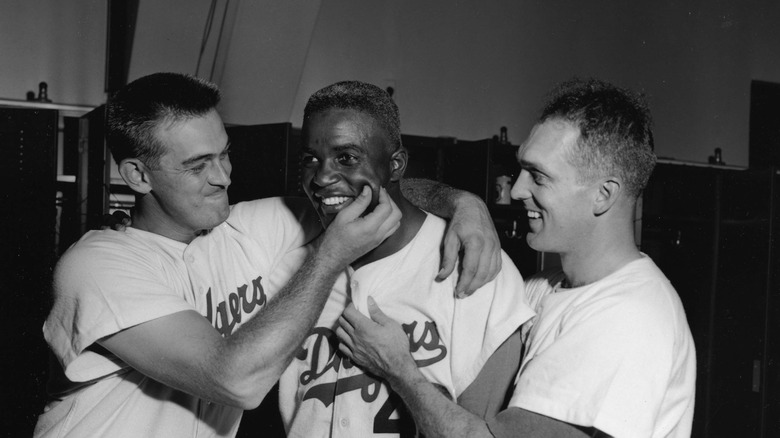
pixel 344 150
pixel 558 204
pixel 189 183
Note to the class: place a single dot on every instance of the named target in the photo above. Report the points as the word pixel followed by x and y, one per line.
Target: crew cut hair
pixel 134 112
pixel 615 131
pixel 359 96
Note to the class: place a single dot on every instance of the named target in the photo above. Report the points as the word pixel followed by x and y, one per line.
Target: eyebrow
pixel 339 148
pixel 532 167
pixel 196 159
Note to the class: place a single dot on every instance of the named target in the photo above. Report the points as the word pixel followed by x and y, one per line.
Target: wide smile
pixel 532 214
pixel 334 200
pixel 534 219
pixel 332 204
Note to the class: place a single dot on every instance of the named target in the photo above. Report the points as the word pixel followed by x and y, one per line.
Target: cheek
pixel 306 176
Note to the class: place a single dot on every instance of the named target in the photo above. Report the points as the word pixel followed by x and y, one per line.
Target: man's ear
pixel 136 175
pixel 398 162
pixel 609 190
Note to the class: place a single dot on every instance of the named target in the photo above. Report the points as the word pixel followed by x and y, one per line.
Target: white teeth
pixel 334 200
pixel 534 214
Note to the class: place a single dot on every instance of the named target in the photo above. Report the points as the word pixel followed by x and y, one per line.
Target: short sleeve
pixel 98 291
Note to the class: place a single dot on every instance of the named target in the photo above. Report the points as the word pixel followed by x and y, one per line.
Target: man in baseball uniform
pixel 351 140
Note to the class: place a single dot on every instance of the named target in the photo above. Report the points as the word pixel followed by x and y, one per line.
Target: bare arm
pixel 185 352
pixel 380 346
pixel 470 228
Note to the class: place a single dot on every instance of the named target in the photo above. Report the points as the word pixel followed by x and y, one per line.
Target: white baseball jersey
pixel 322 394
pixel 110 280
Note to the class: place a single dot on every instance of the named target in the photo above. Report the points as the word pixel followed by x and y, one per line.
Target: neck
pixel 411 221
pixel 147 216
pixel 604 253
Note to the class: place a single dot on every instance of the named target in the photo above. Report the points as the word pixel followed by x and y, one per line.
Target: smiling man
pixel 464 347
pixel 172 327
pixel 610 352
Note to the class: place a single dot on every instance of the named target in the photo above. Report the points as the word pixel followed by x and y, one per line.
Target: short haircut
pixel 615 131
pixel 135 111
pixel 362 97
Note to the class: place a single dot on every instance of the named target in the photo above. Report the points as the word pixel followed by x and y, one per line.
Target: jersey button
pixel 344 422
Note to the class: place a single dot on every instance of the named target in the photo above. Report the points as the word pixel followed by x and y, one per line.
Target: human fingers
pixel 376 314
pixel 346 351
pixel 352 319
pixel 357 207
pixel 344 337
pixel 345 325
pixel 449 255
pixel 469 266
pixel 107 222
pixel 480 265
pixel 386 216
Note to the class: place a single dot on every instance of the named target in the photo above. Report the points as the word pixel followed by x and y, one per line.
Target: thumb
pixel 354 210
pixel 376 313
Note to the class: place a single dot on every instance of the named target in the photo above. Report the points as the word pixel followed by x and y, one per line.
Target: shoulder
pixel 100 247
pixel 636 304
pixel 106 256
pixel 426 244
pixel 267 216
pixel 256 209
pixel 434 226
pixel 641 289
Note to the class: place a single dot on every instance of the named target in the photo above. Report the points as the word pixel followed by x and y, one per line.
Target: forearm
pixel 435 197
pixel 261 350
pixel 184 351
pixel 436 415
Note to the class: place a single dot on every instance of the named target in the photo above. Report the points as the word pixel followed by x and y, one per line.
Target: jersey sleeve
pixel 284 224
pixel 607 367
pixel 97 292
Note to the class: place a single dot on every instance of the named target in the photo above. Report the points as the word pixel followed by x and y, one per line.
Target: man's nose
pixel 520 188
pixel 325 174
pixel 220 174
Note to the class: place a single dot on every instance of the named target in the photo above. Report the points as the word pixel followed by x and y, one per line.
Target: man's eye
pixel 347 159
pixel 308 160
pixel 199 168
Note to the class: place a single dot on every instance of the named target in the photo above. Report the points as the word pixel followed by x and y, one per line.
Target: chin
pixel 535 243
pixel 217 218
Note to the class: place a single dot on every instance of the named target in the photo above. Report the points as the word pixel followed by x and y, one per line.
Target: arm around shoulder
pixel 184 351
pixel 470 228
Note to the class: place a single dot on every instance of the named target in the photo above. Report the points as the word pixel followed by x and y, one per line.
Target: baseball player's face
pixel 189 184
pixel 558 204
pixel 344 150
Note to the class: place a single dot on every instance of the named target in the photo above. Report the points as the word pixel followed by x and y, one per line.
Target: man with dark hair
pixel 610 352
pixel 175 325
pixel 351 140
